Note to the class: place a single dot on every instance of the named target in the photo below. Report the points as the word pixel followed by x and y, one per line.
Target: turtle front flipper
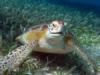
pixel 72 42
pixel 16 57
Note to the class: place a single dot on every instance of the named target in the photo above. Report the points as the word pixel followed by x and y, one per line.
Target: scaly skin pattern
pixel 16 57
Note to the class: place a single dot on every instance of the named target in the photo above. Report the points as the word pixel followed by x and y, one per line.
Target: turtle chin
pixel 56 31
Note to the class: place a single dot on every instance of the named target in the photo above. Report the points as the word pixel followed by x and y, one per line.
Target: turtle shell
pixel 33 33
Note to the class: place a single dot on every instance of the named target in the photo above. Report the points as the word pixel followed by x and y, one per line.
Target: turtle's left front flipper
pixel 72 42
pixel 90 63
pixel 16 57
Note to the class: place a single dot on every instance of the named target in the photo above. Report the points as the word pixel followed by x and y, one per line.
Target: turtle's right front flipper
pixel 16 57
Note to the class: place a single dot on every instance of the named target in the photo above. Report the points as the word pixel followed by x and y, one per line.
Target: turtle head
pixel 56 27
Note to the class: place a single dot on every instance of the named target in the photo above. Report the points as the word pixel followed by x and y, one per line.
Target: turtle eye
pixel 53 25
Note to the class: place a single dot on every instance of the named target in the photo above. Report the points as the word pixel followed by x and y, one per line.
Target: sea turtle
pixel 49 38
pixel 55 38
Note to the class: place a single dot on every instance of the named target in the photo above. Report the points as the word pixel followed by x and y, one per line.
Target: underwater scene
pixel 49 37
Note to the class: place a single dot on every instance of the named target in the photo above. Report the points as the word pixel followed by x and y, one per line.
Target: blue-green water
pixel 82 20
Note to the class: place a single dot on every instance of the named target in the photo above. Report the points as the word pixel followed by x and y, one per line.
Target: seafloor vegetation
pixel 17 15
